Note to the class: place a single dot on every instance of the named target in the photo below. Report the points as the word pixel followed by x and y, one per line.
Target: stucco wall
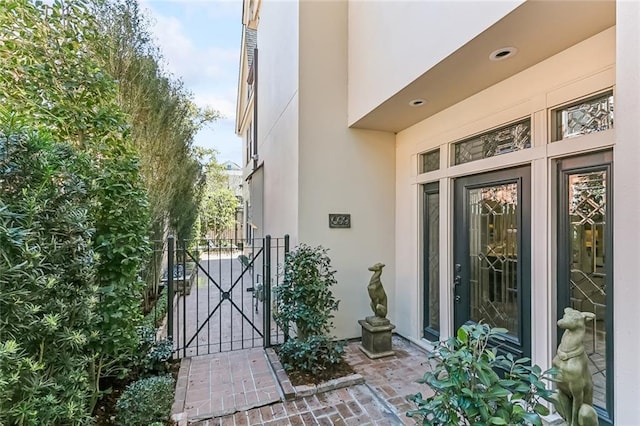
pixel 626 198
pixel 278 114
pixel 342 170
pixel 385 54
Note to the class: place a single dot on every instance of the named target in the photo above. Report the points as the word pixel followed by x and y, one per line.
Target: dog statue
pixel 376 292
pixel 574 397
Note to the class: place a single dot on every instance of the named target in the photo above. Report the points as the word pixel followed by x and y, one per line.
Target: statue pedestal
pixel 376 337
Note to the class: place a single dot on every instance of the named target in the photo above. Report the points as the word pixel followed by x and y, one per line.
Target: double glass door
pixel 492 257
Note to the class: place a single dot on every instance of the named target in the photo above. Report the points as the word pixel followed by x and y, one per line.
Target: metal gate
pixel 220 294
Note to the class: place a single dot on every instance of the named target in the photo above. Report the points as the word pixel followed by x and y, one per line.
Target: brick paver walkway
pixel 214 385
pixel 381 400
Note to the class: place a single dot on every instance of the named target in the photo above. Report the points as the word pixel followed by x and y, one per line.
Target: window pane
pixel 589 116
pixel 430 161
pixel 432 204
pixel 513 137
pixel 494 256
pixel 587 220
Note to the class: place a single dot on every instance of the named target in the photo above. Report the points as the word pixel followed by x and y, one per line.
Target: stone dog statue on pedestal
pixel 376 292
pixel 574 397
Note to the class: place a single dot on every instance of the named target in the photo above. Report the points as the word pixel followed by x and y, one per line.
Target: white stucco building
pixel 487 152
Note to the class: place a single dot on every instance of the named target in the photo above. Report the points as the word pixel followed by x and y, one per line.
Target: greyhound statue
pixel 376 292
pixel 574 397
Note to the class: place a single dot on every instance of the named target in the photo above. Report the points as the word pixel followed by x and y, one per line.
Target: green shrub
pixel 121 227
pixel 474 385
pixel 315 354
pixel 48 294
pixel 153 354
pixel 146 401
pixel 53 77
pixel 305 305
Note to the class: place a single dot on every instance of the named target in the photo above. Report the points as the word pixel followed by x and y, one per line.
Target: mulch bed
pixel 105 412
pixel 303 378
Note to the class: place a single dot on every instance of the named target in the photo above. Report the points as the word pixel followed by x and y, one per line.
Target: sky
pixel 200 42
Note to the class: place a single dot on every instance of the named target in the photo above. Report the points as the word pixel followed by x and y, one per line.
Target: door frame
pixel 520 175
pixel 584 163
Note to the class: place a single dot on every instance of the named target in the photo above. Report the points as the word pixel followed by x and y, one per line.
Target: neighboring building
pixel 233 172
pixel 487 152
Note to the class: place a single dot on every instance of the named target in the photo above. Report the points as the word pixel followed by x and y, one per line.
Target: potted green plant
pixel 474 384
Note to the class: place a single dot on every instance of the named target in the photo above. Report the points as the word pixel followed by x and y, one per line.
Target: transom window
pixel 509 138
pixel 594 114
pixel 430 161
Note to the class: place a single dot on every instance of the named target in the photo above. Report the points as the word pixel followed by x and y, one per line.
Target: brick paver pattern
pixel 382 400
pixel 228 382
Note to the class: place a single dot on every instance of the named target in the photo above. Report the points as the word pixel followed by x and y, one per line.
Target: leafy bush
pixel 154 354
pixel 47 279
pixel 146 401
pixel 305 304
pixel 122 223
pixel 315 354
pixel 53 77
pixel 474 385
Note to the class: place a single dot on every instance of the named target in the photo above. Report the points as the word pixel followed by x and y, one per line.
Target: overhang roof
pixel 538 29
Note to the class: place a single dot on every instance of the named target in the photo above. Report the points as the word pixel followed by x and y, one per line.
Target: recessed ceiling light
pixel 417 102
pixel 503 53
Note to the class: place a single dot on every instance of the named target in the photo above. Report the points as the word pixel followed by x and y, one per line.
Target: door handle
pixel 457 280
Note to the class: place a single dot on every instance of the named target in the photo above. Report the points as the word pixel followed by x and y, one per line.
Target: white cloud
pixel 207 66
pixel 186 61
pixel 226 106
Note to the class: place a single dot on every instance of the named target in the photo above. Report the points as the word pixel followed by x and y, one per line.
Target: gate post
pixel 266 320
pixel 170 254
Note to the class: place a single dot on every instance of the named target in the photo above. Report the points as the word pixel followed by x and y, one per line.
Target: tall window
pixel 431 262
pixel 585 259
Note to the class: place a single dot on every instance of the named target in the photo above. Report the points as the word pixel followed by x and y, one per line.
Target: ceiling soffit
pixel 538 29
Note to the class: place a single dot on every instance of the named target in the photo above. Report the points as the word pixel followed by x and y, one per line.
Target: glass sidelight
pixel 584 268
pixel 492 254
pixel 431 262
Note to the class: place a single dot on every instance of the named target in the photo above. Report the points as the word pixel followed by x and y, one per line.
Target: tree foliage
pixel 163 117
pixel 53 79
pixel 97 156
pixel 217 210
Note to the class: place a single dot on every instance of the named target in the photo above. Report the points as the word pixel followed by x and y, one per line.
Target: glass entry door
pixel 585 262
pixel 492 257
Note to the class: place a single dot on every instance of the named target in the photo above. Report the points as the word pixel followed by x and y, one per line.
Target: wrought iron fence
pixel 220 293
